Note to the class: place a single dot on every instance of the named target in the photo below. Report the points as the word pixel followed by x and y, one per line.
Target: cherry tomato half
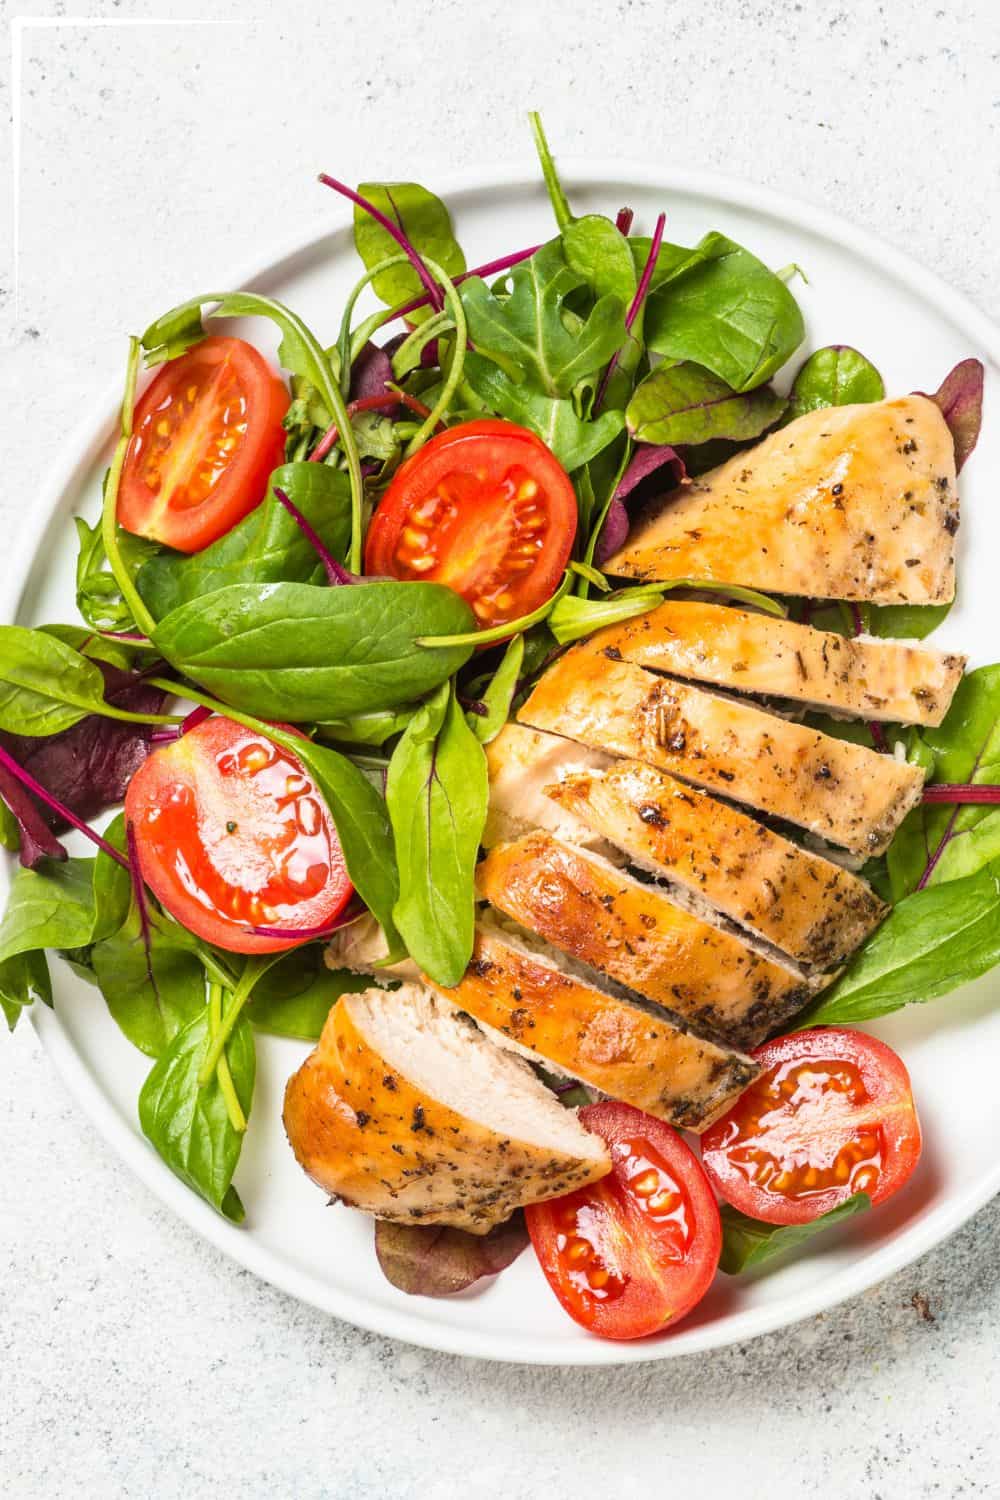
pixel 485 508
pixel 206 434
pixel 633 1253
pixel 232 835
pixel 831 1115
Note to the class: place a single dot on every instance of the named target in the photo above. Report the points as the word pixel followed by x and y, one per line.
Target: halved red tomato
pixel 831 1115
pixel 633 1253
pixel 485 508
pixel 232 835
pixel 206 434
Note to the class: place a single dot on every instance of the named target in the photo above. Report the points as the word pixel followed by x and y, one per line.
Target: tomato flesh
pixel 232 835
pixel 206 434
pixel 831 1115
pixel 632 1254
pixel 484 508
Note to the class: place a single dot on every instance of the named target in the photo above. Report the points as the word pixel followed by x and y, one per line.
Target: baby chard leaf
pixel 189 1125
pixel 685 403
pixel 437 793
pixel 432 1260
pixel 426 223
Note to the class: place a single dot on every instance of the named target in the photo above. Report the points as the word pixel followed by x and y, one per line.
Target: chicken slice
pixel 637 935
pixel 809 908
pixel 844 793
pixel 527 1000
pixel 407 1110
pixel 750 652
pixel 848 502
pixel 521 762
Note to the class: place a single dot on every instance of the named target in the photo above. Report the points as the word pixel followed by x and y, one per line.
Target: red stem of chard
pixel 335 574
pixel 502 263
pixel 434 293
pixel 27 780
pixel 623 221
pixel 636 304
pixel 962 792
pixel 368 403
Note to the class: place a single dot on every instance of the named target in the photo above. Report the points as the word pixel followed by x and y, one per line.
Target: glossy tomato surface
pixel 484 508
pixel 632 1254
pixel 205 436
pixel 831 1115
pixel 232 835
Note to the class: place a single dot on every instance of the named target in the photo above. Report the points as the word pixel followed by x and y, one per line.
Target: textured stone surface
pixel 133 1359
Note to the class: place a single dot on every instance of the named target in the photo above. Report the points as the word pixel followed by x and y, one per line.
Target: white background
pixel 145 162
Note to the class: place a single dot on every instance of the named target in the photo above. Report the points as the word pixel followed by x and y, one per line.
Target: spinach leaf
pixel 933 941
pixel 152 988
pixel 965 747
pixel 368 729
pixel 45 686
pixel 89 643
pixel 531 334
pixel 684 403
pixel 265 547
pixel 111 886
pixel 23 980
pixel 747 1243
pixel 499 695
pixel 436 793
pixel 895 622
pixel 573 441
pixel 52 907
pixel 427 225
pixel 726 311
pixel 297 652
pixel 598 252
pixel 835 376
pixel 189 1125
pixel 296 996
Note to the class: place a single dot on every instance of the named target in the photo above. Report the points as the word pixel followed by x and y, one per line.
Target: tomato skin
pixel 231 834
pixel 206 433
pixel 651 1227
pixel 485 508
pixel 833 1104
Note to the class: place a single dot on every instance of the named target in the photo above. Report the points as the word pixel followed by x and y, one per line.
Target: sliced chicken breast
pixel 809 908
pixel 361 947
pixel 843 793
pixel 627 1051
pixel 406 1110
pixel 637 935
pixel 751 652
pixel 849 502
pixel 521 762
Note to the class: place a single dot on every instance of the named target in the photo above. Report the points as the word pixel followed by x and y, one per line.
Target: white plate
pixel 914 328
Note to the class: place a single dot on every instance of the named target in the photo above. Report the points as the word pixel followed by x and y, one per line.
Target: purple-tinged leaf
pixel 431 1260
pixel 54 806
pixel 647 459
pixel 37 839
pixel 371 372
pixel 335 573
pixel 431 288
pixel 623 220
pixel 960 398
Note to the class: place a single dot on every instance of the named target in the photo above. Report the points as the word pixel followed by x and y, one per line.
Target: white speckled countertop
pixel 134 1360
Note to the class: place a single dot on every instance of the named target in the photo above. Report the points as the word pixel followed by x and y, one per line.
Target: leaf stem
pixel 227 1088
pixel 500 632
pixel 254 969
pixel 68 816
pixel 635 306
pixel 412 255
pixel 557 197
pixel 109 509
pixel 972 793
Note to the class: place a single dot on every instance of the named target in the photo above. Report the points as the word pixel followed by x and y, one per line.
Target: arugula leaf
pixel 747 1243
pixel 304 654
pixel 965 747
pixel 835 376
pixel 52 907
pixel 557 197
pixel 726 311
pixel 23 980
pixel 597 251
pixel 427 225
pixel 437 792
pixel 685 403
pixel 189 1125
pixel 500 693
pixel 295 997
pixel 532 335
pixel 933 941
pixel 265 547
pixel 573 441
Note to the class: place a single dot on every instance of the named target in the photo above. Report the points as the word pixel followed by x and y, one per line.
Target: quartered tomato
pixel 633 1253
pixel 485 508
pixel 206 434
pixel 831 1115
pixel 232 835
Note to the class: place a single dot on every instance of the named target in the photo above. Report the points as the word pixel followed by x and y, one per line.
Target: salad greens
pixel 638 362
pixel 748 1243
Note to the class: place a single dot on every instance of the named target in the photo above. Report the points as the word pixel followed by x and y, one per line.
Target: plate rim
pixel 80 450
